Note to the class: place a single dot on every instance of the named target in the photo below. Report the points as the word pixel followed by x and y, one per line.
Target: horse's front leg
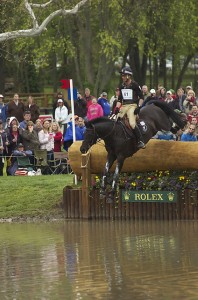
pixel 118 168
pixel 110 160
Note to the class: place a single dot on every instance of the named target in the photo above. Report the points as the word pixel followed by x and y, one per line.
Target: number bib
pixel 127 94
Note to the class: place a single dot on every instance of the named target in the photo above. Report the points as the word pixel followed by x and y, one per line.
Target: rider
pixel 130 99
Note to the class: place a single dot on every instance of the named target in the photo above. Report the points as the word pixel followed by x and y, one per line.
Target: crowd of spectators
pixel 20 123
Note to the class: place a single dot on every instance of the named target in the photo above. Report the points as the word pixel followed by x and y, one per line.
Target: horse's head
pixel 90 138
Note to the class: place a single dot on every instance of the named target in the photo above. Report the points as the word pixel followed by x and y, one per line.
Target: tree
pixel 38 29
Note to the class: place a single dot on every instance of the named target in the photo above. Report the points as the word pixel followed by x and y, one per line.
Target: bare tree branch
pixel 41 5
pixel 38 29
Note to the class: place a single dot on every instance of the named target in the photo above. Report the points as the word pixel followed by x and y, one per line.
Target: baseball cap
pixel 1 96
pixel 152 91
pixel 60 100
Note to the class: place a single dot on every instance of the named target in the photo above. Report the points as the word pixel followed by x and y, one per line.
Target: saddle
pixel 128 129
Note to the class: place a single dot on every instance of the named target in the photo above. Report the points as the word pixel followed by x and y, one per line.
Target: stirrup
pixel 141 145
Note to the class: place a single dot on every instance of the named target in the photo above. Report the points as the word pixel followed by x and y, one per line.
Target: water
pixel 99 260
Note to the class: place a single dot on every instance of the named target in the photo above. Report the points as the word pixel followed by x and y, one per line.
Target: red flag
pixel 65 83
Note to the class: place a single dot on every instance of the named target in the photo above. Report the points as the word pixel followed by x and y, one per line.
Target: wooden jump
pixel 84 203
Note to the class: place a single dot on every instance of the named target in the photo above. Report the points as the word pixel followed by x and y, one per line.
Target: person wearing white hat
pixel 61 115
pixel 151 97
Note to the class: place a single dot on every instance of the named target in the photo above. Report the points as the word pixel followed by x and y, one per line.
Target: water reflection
pixel 99 260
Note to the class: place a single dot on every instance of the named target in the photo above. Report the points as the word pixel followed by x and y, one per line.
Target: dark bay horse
pixel 119 144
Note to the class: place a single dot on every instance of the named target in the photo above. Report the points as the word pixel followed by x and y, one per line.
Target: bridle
pixel 92 132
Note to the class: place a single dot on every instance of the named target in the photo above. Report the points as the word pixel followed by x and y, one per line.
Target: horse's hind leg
pixel 110 160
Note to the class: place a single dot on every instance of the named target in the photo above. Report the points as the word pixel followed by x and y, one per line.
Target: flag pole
pixel 73 121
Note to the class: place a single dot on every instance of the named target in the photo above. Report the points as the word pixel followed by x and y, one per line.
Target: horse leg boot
pixel 139 137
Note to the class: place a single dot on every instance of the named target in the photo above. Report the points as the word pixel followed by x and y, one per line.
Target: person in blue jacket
pixel 68 137
pixel 3 110
pixel 189 134
pixel 105 104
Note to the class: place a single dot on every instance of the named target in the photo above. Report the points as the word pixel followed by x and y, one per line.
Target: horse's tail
pixel 175 116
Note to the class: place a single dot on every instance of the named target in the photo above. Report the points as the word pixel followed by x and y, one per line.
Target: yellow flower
pixel 181 178
pixel 133 183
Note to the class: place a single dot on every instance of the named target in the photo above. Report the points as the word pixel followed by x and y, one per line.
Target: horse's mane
pixel 98 120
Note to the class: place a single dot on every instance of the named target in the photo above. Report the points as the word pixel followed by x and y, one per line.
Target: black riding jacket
pixel 130 94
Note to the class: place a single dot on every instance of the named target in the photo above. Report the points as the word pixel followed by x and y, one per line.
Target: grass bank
pixel 32 196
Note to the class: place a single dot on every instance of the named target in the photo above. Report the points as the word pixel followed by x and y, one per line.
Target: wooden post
pixel 86 182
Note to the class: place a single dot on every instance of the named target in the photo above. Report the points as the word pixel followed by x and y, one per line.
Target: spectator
pixel 193 113
pixel 61 114
pixel 46 139
pixel 3 111
pixel 16 108
pixel 55 104
pixel 30 139
pixel 68 138
pixel 114 97
pixel 26 117
pixel 94 110
pixel 189 101
pixel 57 137
pixel 81 124
pixel 145 92
pixel 180 98
pixel 80 106
pixel 17 152
pixel 162 94
pixel 189 134
pixel 38 125
pixel 194 121
pixel 33 108
pixel 151 97
pixel 14 137
pixel 165 135
pixel 88 97
pixel 2 147
pixel 104 104
pixel 174 103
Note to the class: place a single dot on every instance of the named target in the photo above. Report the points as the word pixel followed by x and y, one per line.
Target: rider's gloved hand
pixel 117 110
pixel 137 110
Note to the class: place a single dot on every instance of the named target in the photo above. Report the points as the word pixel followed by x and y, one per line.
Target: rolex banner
pixel 149 196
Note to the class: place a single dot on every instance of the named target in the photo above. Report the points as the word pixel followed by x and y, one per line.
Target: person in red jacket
pixel 58 137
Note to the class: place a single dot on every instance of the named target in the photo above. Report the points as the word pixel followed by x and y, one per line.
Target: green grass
pixel 32 196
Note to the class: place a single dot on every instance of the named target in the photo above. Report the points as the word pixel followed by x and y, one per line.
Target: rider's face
pixel 125 77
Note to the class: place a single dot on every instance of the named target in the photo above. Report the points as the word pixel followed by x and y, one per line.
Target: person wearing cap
pixel 189 101
pixel 19 151
pixel 55 104
pixel 151 97
pixel 104 104
pixel 61 115
pixel 173 103
pixel 130 100
pixel 30 138
pixel 80 107
pixel 114 100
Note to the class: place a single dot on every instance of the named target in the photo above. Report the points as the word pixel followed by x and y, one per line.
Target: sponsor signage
pixel 149 196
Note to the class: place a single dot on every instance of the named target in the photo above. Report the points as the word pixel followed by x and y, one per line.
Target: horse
pixel 120 144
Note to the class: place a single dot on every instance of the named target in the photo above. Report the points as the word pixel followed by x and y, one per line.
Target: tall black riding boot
pixel 139 137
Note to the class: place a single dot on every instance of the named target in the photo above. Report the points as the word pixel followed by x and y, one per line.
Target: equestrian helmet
pixel 127 71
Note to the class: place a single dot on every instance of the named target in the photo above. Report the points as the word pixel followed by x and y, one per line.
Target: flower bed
pixel 155 180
